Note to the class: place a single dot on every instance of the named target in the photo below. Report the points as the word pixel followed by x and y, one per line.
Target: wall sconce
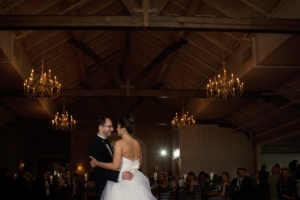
pixel 79 168
pixel 22 165
pixel 176 153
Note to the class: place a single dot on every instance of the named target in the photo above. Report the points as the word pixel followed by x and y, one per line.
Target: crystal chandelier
pixel 184 120
pixel 42 85
pixel 224 88
pixel 63 122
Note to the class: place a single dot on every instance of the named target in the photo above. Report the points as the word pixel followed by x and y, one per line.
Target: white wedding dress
pixel 136 189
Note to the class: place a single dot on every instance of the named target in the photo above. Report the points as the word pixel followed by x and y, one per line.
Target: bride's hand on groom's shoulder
pixel 93 161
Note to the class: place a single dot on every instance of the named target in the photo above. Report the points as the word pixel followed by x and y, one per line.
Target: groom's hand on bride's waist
pixel 127 175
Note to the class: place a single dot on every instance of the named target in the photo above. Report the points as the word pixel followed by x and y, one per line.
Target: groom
pixel 101 150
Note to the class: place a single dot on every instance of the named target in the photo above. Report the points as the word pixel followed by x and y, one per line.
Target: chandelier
pixel 63 122
pixel 184 120
pixel 42 85
pixel 224 88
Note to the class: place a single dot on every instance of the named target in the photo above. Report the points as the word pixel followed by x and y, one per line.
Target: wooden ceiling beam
pixel 275 134
pixel 246 125
pixel 154 63
pixel 76 34
pixel 199 23
pixel 136 93
pixel 130 5
pixel 160 5
pixel 10 110
pixel 162 93
pixel 97 59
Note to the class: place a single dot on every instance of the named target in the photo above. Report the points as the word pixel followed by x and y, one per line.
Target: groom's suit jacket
pixel 99 151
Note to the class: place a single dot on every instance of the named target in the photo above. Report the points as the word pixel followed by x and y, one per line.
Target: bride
pixel 127 157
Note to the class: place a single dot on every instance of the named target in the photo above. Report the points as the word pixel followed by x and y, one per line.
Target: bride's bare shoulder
pixel 123 142
pixel 119 143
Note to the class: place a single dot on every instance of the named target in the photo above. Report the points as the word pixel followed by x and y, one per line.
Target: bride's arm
pixel 115 165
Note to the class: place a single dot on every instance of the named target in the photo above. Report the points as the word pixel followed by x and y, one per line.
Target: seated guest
pixel 170 175
pixel 175 179
pixel 163 187
pixel 244 185
pixel 43 187
pixel 202 179
pixel 236 184
pixel 273 179
pixel 175 184
pixel 225 187
pixel 293 166
pixel 6 187
pixel 163 183
pixel 286 186
pixel 263 186
pixel 191 181
pixel 22 186
pixel 67 186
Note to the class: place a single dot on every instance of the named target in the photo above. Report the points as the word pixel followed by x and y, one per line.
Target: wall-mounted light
pixel 163 152
pixel 79 168
pixel 176 153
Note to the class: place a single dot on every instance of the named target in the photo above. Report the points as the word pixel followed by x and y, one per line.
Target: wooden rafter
pixel 170 49
pixel 97 59
pixel 153 92
pixel 45 22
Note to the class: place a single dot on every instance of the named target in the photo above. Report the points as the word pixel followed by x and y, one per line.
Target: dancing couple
pixel 116 171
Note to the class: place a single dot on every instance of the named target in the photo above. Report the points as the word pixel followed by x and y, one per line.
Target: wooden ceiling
pixel 165 50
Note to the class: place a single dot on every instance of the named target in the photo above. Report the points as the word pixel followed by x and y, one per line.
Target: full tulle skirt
pixel 136 189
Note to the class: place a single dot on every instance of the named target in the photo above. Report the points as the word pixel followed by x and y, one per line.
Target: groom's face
pixel 107 127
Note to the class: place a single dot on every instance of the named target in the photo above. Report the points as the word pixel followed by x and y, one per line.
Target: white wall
pixel 282 159
pixel 211 148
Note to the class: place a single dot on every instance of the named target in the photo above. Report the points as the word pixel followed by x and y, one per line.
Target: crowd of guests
pixel 280 184
pixel 44 187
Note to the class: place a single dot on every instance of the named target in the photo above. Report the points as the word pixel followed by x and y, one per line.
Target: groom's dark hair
pixel 100 121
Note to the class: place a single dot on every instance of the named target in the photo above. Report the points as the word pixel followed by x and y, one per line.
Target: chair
pixel 197 192
pixel 164 196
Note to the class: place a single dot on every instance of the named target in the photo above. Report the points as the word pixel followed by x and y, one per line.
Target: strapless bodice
pixel 130 165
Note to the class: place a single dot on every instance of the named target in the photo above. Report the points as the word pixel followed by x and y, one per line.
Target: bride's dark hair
pixel 128 122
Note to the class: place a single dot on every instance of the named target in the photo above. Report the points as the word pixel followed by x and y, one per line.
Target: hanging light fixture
pixel 224 88
pixel 184 120
pixel 63 122
pixel 42 85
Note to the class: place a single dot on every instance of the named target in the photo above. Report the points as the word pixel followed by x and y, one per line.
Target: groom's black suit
pixel 99 151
